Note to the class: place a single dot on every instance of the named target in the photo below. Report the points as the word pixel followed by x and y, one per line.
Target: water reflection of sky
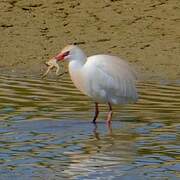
pixel 46 133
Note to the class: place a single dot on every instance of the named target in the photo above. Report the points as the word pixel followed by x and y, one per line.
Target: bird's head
pixel 70 52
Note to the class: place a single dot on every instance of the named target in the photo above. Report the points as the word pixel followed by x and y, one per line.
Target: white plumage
pixel 104 78
pixel 109 79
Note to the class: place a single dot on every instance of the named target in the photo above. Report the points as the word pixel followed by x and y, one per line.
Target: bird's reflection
pixel 97 134
pixel 95 131
pixel 107 146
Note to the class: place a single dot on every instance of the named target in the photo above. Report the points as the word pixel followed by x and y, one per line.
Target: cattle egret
pixel 104 78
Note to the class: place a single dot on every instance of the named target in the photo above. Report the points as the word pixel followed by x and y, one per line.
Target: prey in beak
pixel 52 63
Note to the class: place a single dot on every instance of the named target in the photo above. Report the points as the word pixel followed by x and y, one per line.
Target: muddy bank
pixel 145 33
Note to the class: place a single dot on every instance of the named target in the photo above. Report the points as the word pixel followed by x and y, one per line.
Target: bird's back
pixel 109 79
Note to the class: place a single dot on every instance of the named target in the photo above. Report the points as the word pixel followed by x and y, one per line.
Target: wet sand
pixel 145 33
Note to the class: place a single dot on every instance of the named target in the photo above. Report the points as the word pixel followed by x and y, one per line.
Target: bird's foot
pixel 94 121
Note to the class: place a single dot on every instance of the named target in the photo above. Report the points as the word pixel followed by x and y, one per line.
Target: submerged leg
pixel 96 112
pixel 109 116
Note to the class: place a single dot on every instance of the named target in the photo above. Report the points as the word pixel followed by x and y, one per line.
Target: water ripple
pixel 45 133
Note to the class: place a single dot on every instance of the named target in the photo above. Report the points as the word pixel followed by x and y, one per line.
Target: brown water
pixel 45 133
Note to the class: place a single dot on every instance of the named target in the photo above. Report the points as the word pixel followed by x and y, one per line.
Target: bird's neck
pixel 76 72
pixel 77 62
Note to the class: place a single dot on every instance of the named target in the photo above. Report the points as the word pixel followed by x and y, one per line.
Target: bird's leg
pixel 109 116
pixel 96 112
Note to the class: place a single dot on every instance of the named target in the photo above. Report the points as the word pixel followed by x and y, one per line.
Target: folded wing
pixel 109 79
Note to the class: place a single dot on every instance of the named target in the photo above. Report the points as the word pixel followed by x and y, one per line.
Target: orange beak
pixel 61 56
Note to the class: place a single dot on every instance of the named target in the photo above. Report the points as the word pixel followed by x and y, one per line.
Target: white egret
pixel 104 78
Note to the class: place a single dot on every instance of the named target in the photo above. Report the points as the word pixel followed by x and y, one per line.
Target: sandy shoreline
pixel 145 33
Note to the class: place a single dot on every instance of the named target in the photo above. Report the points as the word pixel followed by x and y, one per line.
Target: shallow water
pixel 45 133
